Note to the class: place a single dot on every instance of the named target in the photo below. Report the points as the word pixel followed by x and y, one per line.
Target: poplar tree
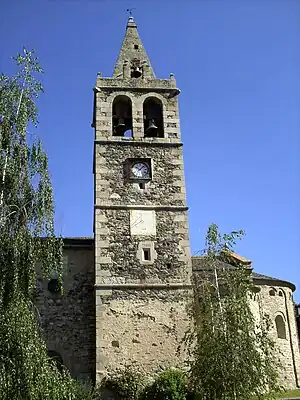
pixel 26 239
pixel 231 353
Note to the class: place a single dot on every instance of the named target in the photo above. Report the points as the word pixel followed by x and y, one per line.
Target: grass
pixel 290 394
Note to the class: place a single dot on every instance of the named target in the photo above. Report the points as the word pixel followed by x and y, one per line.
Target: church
pixel 126 289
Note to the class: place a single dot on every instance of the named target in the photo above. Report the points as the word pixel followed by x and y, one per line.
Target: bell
pixel 136 73
pixel 152 128
pixel 120 127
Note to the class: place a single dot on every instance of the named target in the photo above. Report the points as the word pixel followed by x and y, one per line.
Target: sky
pixel 237 65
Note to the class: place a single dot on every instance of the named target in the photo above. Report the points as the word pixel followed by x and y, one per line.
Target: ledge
pixel 141 207
pixel 143 286
pixel 138 84
pixel 140 143
pixel 173 92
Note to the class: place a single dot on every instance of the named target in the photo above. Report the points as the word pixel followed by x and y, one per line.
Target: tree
pixel 232 355
pixel 27 238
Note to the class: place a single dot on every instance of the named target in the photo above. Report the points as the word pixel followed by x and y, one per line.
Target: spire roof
pixel 132 51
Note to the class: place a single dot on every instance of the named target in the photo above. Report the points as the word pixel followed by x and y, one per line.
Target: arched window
pixel 280 293
pixel 54 285
pixel 153 117
pixel 122 116
pixel 57 358
pixel 280 327
pixel 272 292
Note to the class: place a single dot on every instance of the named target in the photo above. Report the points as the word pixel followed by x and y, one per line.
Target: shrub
pixel 123 385
pixel 170 385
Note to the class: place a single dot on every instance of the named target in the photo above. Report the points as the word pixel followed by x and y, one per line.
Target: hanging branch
pixel 8 150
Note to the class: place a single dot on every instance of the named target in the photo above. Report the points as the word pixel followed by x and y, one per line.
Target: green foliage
pixel 170 385
pixel 26 216
pixel 232 355
pixel 124 385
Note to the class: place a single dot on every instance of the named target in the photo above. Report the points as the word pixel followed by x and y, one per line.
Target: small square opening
pixel 142 185
pixel 146 255
pixel 136 46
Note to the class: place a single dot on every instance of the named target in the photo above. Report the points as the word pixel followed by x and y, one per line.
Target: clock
pixel 140 170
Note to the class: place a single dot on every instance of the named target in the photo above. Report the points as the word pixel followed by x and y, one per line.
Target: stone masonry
pixel 69 320
pixel 126 290
pixel 140 304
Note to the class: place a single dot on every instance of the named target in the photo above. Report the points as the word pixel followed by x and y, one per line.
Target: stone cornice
pixel 143 286
pixel 141 207
pixel 140 143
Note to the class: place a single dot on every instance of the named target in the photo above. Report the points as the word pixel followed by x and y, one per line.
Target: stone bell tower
pixel 142 251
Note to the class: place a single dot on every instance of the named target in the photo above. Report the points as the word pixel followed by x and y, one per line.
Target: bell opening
pixel 136 73
pixel 122 116
pixel 153 118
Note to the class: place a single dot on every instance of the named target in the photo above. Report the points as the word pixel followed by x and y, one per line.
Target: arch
pixel 280 326
pixel 280 293
pixel 57 358
pixel 272 292
pixel 122 116
pixel 158 96
pixel 153 117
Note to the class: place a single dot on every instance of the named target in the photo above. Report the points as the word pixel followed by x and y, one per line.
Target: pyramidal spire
pixel 133 60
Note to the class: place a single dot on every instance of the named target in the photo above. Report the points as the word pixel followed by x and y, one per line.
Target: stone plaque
pixel 142 222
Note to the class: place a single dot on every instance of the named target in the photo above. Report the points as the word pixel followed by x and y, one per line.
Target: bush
pixel 170 385
pixel 123 385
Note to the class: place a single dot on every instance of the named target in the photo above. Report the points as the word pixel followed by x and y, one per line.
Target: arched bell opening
pixel 122 116
pixel 136 69
pixel 153 117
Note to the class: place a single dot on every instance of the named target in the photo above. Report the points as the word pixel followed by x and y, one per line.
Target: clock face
pixel 140 170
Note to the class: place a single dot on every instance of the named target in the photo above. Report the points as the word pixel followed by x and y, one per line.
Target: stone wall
pixel 139 326
pixel 273 301
pixel 104 97
pixel 118 253
pixel 69 320
pixel 142 328
pixel 113 188
pixel 140 304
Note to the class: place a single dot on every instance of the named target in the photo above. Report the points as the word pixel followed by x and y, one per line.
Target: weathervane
pixel 129 10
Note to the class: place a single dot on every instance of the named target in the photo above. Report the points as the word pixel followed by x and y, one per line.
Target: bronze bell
pixel 136 73
pixel 120 127
pixel 152 128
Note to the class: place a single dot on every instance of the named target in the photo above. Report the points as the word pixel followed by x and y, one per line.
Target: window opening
pixel 146 254
pixel 136 68
pixel 54 285
pixel 142 185
pixel 153 117
pixel 122 116
pixel 280 327
pixel 56 357
pixel 272 292
pixel 136 46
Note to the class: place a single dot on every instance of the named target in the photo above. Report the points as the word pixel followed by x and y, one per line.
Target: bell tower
pixel 142 250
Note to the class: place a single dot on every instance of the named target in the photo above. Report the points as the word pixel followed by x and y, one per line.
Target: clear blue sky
pixel 237 64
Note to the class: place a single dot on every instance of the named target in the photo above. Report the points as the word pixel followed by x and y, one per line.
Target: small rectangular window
pixel 146 255
pixel 142 185
pixel 136 46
